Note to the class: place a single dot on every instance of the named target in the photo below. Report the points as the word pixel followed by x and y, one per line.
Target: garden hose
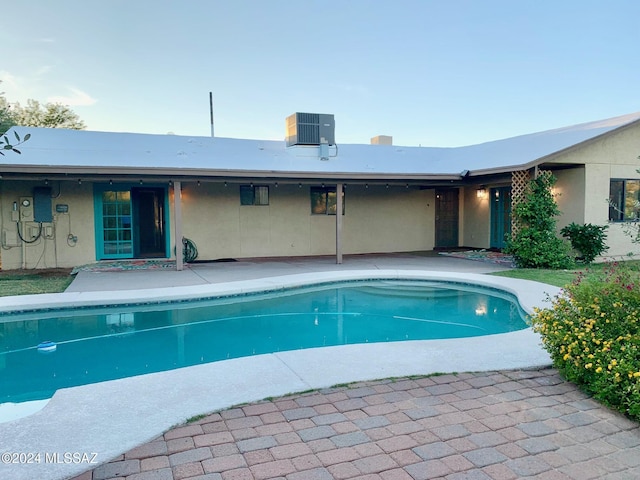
pixel 189 250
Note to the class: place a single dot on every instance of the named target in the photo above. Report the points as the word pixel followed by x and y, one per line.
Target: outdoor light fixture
pixel 481 192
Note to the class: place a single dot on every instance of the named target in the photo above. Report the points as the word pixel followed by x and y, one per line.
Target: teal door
pixel 130 222
pixel 500 199
pixel 114 238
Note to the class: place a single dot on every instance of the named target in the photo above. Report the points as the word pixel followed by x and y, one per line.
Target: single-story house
pixel 75 197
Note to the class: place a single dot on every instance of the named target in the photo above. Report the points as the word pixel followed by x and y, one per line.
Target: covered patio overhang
pixel 175 179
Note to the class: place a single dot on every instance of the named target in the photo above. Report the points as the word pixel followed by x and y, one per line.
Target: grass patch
pixel 196 418
pixel 560 278
pixel 21 282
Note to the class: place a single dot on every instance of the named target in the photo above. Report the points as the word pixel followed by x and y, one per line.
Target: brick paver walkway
pixel 480 426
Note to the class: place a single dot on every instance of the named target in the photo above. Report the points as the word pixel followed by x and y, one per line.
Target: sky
pixel 437 73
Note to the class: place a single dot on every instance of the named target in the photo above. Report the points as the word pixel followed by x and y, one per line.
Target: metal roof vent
pixel 310 129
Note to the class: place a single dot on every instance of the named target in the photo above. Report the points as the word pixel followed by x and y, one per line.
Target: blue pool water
pixel 115 342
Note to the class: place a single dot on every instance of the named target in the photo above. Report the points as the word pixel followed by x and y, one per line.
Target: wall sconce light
pixel 481 193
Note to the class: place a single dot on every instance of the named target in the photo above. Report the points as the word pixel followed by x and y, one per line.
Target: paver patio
pixel 468 426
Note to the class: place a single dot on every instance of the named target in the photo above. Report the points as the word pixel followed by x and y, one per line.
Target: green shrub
pixel 592 332
pixel 589 240
pixel 535 243
pixel 537 249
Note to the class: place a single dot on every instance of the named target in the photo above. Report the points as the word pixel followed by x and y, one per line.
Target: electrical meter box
pixel 42 205
pixel 26 209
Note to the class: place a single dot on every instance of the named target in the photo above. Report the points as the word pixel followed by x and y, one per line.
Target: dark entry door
pixel 447 217
pixel 149 226
pixel 500 216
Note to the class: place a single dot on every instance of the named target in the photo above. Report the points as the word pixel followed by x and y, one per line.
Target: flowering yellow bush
pixel 592 332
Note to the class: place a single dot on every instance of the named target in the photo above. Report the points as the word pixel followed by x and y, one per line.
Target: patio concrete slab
pixel 246 269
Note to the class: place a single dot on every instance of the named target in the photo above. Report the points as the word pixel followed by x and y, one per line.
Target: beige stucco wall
pixel 394 219
pixel 376 219
pixel 615 156
pixel 475 228
pixel 54 249
pixel 569 190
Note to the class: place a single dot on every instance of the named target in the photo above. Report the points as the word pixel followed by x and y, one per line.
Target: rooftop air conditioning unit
pixel 310 129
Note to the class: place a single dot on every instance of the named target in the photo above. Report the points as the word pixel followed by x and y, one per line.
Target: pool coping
pixel 108 418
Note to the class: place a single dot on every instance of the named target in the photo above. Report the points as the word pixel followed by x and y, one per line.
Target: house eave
pixel 102 173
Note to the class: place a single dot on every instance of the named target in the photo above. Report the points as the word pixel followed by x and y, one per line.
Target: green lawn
pixel 42 281
pixel 559 278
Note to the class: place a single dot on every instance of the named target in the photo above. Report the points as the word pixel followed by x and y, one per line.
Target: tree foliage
pixel 8 144
pixel 6 119
pixel 48 115
pixel 535 244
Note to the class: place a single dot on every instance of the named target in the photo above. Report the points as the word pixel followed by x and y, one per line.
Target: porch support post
pixel 177 231
pixel 339 223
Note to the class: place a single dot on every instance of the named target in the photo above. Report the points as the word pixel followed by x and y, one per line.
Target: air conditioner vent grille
pixel 310 129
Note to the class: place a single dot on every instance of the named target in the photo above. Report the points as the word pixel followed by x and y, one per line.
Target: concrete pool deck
pixel 112 418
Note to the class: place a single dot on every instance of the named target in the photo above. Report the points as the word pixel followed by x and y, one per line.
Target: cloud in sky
pixel 77 98
pixel 43 70
pixel 9 80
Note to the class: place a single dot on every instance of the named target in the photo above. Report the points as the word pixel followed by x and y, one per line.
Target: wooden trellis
pixel 519 186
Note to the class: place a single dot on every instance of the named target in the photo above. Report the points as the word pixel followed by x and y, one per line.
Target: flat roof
pixel 68 151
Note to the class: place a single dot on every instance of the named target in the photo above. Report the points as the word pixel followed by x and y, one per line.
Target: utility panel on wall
pixel 42 205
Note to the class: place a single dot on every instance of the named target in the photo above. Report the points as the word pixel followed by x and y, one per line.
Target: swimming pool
pixel 99 344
